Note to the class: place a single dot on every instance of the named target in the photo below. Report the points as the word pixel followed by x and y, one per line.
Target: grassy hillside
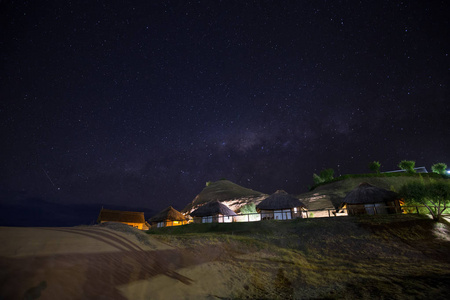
pixel 222 190
pixel 390 257
pixel 329 195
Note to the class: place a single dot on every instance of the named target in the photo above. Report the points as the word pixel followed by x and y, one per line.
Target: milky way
pixel 140 104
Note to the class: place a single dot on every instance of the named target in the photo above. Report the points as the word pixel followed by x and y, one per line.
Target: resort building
pixel 131 218
pixel 168 217
pixel 213 212
pixel 418 170
pixel 281 206
pixel 369 199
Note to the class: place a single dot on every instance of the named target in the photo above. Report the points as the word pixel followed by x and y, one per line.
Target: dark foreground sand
pixel 391 257
pixel 100 263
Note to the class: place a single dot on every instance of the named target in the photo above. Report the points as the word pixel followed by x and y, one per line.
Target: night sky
pixel 139 103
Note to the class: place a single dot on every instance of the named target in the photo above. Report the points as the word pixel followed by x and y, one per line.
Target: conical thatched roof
pixel 280 200
pixel 212 209
pixel 169 213
pixel 222 190
pixel 366 193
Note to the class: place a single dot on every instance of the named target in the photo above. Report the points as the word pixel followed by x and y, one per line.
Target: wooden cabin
pixel 213 212
pixel 168 217
pixel 369 199
pixel 281 206
pixel 131 218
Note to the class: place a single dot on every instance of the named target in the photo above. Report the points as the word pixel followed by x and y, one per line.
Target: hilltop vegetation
pixel 395 179
pixel 330 194
pixel 394 257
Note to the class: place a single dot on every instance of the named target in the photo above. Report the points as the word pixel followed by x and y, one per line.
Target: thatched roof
pixel 109 215
pixel 211 209
pixel 222 190
pixel 169 213
pixel 279 200
pixel 366 193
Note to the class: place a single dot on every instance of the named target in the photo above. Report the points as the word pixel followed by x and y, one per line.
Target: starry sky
pixel 139 103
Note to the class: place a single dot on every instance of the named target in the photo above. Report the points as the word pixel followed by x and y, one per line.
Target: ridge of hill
pixel 227 192
pixel 330 195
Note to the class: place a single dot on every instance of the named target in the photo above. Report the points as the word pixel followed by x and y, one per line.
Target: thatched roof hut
pixel 132 218
pixel 279 200
pixel 212 209
pixel 169 213
pixel 366 193
pixel 231 194
pixel 369 199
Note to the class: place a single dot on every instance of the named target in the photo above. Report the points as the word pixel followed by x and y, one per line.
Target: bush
pixel 434 195
pixel 317 179
pixel 324 176
pixel 408 166
pixel 375 166
pixel 413 207
pixel 248 209
pixel 439 168
pixel 327 174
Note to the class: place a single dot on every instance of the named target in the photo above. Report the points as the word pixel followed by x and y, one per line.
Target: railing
pixel 323 213
pixel 371 210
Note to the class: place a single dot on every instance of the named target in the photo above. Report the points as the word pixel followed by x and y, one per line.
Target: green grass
pixel 333 192
pixel 385 176
pixel 372 257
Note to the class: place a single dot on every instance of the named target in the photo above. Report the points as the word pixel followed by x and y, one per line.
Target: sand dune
pixel 99 263
pixel 395 257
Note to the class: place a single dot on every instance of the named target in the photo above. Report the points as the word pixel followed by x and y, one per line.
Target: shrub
pixel 248 209
pixel 327 174
pixel 324 176
pixel 375 166
pixel 439 168
pixel 408 166
pixel 317 179
pixel 435 196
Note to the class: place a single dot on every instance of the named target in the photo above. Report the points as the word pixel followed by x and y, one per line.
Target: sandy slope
pixel 100 263
pixel 391 257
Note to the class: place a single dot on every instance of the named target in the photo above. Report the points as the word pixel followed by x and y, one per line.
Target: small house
pixel 281 206
pixel 131 218
pixel 418 170
pixel 369 199
pixel 213 212
pixel 168 217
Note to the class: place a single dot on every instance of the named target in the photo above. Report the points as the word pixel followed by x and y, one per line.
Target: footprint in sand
pixel 35 291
